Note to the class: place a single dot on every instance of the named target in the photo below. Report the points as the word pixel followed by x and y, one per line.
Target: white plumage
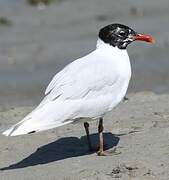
pixel 87 88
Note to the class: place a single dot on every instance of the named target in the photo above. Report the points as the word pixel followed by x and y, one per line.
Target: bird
pixel 87 88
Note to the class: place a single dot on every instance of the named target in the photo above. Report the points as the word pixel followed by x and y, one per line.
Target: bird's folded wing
pixel 82 79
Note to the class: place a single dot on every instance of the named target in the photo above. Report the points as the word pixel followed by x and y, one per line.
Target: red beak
pixel 143 37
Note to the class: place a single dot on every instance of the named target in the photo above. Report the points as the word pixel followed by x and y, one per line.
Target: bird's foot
pixel 94 149
pixel 101 153
pixel 108 152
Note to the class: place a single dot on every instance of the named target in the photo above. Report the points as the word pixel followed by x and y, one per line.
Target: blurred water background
pixel 39 41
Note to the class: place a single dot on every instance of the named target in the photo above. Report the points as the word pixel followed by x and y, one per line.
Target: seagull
pixel 87 88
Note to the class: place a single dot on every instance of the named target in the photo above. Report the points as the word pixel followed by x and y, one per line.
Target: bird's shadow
pixel 63 148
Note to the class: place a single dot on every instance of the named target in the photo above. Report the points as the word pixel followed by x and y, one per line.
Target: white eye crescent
pixel 122 33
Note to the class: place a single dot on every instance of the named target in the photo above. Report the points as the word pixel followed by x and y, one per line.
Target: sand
pixel 137 130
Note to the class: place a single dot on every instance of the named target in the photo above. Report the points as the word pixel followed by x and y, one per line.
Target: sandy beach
pixel 137 130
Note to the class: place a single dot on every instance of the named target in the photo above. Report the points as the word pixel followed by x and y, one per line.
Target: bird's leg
pixel 101 151
pixel 100 130
pixel 86 125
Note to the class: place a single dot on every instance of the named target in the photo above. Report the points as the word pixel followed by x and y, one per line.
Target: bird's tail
pixel 44 117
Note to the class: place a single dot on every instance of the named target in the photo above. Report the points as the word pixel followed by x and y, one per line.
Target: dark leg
pixel 101 141
pixel 101 151
pixel 86 125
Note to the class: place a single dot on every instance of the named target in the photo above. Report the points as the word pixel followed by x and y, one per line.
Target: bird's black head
pixel 121 36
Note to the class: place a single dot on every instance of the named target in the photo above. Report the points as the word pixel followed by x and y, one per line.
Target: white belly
pixel 95 108
pixel 119 94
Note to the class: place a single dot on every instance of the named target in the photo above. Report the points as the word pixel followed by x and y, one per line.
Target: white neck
pixel 102 45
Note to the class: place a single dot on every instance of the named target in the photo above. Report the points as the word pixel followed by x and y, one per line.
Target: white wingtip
pixel 13 132
pixel 8 132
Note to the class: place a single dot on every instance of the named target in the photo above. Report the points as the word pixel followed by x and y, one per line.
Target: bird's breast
pixel 119 89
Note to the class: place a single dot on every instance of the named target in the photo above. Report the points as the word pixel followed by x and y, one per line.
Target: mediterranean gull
pixel 87 88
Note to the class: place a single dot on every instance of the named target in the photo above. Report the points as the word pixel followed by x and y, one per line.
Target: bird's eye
pixel 122 33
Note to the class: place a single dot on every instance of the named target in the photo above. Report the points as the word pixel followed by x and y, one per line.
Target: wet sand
pixel 138 131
